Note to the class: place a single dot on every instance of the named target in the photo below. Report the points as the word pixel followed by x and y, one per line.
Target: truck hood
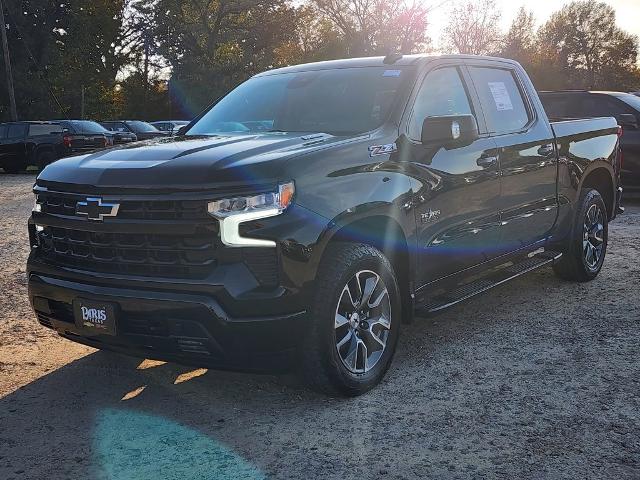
pixel 187 163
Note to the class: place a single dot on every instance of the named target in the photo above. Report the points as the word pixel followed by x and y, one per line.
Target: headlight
pixel 279 200
pixel 231 212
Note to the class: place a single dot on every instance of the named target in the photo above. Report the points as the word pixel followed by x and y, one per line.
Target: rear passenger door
pixel 526 150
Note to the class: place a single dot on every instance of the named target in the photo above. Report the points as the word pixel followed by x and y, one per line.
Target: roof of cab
pixel 391 61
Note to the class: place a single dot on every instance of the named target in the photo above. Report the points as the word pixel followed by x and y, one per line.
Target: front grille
pixel 57 204
pixel 131 254
pixel 111 247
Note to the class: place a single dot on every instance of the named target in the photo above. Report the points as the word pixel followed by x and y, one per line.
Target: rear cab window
pixel 501 98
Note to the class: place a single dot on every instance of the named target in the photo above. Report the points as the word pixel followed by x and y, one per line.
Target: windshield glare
pixel 340 102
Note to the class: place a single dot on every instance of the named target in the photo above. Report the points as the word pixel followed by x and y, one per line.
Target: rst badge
pixel 387 149
pixel 430 216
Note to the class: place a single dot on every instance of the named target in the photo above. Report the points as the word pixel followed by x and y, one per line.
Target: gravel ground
pixel 537 379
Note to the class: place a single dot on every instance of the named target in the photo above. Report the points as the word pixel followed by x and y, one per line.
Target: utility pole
pixel 7 65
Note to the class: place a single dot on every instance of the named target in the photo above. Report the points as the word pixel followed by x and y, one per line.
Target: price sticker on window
pixel 500 96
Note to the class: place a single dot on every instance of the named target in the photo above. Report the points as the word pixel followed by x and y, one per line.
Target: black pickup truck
pixel 39 143
pixel 313 210
pixel 30 143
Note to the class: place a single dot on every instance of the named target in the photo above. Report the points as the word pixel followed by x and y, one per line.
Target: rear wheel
pixel 586 248
pixel 355 321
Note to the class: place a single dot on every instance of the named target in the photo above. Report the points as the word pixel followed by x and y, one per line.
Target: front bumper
pixel 191 329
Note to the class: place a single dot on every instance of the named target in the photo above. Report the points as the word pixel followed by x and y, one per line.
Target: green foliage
pixel 155 59
pixel 580 46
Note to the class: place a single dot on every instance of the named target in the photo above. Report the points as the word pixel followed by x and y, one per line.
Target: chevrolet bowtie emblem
pixel 96 210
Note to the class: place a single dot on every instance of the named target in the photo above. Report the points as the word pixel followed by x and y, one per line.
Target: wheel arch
pixel 601 178
pixel 386 234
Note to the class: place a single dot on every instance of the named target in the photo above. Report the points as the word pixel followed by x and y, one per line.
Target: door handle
pixel 486 161
pixel 546 150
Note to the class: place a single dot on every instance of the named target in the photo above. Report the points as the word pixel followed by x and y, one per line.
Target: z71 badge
pixel 376 150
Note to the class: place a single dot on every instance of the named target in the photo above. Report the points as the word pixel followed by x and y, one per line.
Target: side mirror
pixel 450 130
pixel 628 120
pixel 182 130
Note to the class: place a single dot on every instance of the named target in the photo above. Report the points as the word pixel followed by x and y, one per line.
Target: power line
pixel 41 73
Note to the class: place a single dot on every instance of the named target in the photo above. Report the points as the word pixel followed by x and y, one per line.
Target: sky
pixel 627 13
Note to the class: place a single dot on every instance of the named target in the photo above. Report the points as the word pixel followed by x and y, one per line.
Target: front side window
pixel 501 99
pixel 441 93
pixel 342 101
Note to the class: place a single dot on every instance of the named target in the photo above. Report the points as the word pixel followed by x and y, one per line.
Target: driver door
pixel 456 189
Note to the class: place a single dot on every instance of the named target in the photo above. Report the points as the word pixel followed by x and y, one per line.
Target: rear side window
pixel 3 131
pixel 35 130
pixel 16 131
pixel 441 93
pixel 501 99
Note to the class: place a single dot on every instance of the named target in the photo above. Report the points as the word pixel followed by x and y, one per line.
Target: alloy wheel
pixel 362 321
pixel 593 237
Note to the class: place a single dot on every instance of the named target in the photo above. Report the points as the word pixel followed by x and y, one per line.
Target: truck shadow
pixel 116 417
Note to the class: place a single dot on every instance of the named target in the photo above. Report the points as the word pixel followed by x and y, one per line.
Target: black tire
pixel 324 365
pixel 44 159
pixel 581 260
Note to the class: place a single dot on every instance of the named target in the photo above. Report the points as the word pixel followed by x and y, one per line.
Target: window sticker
pixel 500 96
pixel 392 73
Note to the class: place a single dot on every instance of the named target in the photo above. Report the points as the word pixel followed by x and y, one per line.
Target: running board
pixel 487 283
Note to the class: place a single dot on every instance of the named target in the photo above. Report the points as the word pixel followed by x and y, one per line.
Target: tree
pixel 473 28
pixel 520 40
pixel 213 45
pixel 57 47
pixel 589 47
pixel 378 27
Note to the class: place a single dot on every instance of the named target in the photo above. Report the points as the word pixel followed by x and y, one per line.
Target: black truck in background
pixel 307 215
pixel 624 107
pixel 24 144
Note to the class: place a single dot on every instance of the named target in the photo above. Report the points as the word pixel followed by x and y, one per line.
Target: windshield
pixel 142 127
pixel 87 126
pixel 340 102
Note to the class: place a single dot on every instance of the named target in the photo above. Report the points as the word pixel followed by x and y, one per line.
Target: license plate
pixel 95 318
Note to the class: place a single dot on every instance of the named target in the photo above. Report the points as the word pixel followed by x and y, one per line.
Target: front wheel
pixel 355 321
pixel 584 253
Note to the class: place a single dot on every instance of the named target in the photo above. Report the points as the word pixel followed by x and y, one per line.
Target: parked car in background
pixel 24 144
pixel 315 209
pixel 116 138
pixel 142 130
pixel 170 126
pixel 86 135
pixel 625 107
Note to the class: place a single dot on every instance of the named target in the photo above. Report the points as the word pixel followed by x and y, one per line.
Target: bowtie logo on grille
pixel 96 210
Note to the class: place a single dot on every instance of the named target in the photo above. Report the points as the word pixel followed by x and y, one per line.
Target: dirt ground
pixel 538 379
